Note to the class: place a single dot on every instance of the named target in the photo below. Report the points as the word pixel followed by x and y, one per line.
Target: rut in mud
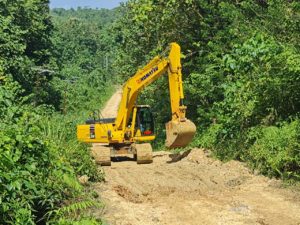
pixel 193 189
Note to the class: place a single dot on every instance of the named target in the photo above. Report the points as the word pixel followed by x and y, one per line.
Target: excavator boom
pixel 179 130
pixel 134 123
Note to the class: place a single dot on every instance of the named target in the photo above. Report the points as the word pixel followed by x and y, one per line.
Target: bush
pixel 32 175
pixel 276 150
pixel 40 159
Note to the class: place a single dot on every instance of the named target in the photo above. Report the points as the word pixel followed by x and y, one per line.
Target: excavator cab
pixel 144 121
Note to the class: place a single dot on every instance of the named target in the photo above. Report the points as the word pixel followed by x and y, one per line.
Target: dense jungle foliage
pixel 52 74
pixel 241 73
pixel 241 68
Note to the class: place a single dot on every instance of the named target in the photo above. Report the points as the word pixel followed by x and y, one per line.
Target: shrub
pixel 276 150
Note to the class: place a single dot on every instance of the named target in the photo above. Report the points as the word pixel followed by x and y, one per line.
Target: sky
pixel 109 4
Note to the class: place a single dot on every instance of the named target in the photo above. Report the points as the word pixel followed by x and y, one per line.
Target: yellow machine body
pixel 129 126
pixel 106 133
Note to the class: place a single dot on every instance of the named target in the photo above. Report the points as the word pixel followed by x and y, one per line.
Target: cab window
pixel 145 121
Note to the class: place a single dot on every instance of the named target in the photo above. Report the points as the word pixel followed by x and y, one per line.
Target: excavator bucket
pixel 179 134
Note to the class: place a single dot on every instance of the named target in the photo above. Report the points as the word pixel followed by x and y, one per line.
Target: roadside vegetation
pixel 241 74
pixel 241 66
pixel 51 78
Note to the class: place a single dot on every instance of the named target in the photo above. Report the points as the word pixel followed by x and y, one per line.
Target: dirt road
pixel 112 105
pixel 194 190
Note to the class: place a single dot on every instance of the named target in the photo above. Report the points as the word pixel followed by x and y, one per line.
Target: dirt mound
pixel 194 190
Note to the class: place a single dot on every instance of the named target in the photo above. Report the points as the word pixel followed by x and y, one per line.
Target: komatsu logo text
pixel 152 71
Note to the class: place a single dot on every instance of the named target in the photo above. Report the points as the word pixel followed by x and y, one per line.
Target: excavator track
pixel 101 154
pixel 143 153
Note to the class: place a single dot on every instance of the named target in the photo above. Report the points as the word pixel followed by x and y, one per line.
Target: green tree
pixel 240 65
pixel 25 46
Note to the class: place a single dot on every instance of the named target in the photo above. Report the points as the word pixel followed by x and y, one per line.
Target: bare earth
pixel 112 105
pixel 194 190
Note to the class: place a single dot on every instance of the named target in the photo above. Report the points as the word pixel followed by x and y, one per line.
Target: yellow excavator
pixel 134 123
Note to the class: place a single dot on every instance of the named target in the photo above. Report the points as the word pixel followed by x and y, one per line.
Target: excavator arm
pixel 179 130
